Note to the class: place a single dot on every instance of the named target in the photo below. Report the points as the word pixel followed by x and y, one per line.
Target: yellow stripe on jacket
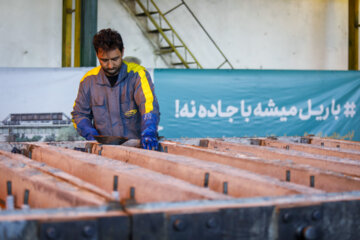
pixel 93 71
pixel 149 97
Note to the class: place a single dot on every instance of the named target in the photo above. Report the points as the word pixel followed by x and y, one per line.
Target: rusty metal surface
pixel 313 214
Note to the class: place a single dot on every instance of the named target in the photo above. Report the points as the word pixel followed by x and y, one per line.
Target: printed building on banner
pixel 34 126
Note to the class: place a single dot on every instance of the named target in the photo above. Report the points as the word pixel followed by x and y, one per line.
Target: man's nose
pixel 110 64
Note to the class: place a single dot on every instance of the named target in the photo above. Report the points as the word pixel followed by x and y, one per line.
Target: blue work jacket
pixel 117 110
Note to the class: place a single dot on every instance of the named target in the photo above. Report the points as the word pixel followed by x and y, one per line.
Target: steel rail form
pixel 206 32
pixel 203 189
pixel 161 31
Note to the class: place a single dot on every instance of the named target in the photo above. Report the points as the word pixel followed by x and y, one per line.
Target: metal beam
pixel 77 39
pixel 240 183
pixel 305 216
pixel 46 191
pixel 353 35
pixel 282 170
pixel 100 171
pixel 66 33
pixel 334 143
pixel 345 166
pixel 312 149
pixel 88 30
pixel 61 175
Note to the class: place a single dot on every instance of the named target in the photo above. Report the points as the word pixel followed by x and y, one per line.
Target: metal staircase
pixel 165 39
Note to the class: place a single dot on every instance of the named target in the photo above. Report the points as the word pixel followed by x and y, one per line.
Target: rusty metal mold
pixel 238 188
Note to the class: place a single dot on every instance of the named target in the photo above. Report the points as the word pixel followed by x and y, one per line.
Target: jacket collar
pixel 123 72
pixel 102 79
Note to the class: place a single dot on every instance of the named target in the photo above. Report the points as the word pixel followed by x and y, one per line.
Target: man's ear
pixel 122 52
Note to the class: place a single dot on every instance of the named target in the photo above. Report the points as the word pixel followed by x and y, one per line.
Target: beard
pixel 112 71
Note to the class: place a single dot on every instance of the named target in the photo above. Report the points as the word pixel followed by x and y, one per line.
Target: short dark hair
pixel 108 39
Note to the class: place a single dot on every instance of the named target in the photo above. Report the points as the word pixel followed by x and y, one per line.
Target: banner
pixel 39 90
pixel 210 103
pixel 243 103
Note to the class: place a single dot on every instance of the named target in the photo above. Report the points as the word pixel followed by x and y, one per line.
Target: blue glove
pixel 86 129
pixel 149 132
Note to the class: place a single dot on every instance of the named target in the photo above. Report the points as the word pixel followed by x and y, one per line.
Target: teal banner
pixel 244 103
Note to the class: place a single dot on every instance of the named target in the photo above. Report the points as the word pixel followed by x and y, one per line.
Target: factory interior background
pixel 259 121
pixel 284 55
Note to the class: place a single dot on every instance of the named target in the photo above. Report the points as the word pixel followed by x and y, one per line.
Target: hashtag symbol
pixel 349 109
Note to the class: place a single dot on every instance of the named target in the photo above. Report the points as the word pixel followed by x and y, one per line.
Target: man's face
pixel 110 61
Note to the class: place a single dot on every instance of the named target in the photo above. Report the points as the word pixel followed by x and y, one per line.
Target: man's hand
pixel 86 130
pixel 149 132
pixel 149 142
pixel 90 134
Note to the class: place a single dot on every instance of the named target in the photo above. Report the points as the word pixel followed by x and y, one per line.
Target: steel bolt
pixel 115 183
pixel 225 187
pixel 316 215
pixel 8 184
pixel 26 196
pixel 51 233
pixel 88 231
pixel 132 192
pixel 312 181
pixel 287 217
pixel 179 225
pixel 211 223
pixel 206 180
pixel 288 175
pixel 308 233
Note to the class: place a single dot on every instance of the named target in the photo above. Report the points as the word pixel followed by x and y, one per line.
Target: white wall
pixel 30 33
pixel 276 34
pixel 111 14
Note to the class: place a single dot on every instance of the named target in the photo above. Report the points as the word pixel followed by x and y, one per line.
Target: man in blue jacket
pixel 116 98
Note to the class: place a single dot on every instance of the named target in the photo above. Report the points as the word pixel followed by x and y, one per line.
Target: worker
pixel 116 98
